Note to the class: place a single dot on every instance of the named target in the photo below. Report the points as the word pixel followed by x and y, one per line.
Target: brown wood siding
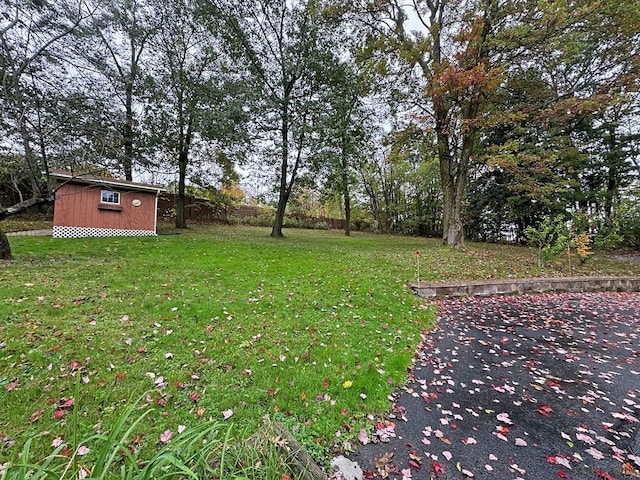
pixel 77 206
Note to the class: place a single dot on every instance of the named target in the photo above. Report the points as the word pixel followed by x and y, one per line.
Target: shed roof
pixel 89 179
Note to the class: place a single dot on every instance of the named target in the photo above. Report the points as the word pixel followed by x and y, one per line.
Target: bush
pixel 551 237
pixel 629 225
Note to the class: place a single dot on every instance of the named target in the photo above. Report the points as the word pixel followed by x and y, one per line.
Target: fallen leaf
pixel 562 461
pixel 35 416
pixel 504 417
pixel 629 470
pixel 166 436
pixel 606 475
pixel 437 468
pixel 384 460
pixel 82 450
pixel 595 453
pixel 585 438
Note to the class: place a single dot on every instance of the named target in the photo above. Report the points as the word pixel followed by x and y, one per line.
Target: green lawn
pixel 316 329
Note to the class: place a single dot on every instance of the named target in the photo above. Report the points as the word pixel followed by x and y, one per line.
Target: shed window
pixel 110 197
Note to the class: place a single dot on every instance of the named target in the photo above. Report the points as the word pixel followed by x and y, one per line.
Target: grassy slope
pixel 315 325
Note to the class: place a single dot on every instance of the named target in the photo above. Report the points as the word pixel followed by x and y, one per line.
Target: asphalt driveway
pixel 529 387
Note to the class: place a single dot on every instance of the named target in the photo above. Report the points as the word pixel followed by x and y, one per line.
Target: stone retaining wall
pixel 527 285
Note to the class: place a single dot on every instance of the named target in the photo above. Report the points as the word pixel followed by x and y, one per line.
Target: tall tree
pixel 31 34
pixel 184 88
pixel 560 141
pixel 446 44
pixel 463 52
pixel 114 45
pixel 346 131
pixel 285 46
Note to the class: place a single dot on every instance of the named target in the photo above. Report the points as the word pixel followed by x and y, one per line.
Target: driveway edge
pixel 526 285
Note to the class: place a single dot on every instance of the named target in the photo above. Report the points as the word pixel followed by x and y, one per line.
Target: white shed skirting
pixel 78 232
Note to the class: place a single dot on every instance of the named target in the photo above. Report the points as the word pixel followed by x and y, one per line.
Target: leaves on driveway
pixel 528 387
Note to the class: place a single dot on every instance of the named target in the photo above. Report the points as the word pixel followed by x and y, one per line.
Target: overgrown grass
pixel 220 324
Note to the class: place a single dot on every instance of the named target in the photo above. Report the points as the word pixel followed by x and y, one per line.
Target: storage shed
pixel 93 206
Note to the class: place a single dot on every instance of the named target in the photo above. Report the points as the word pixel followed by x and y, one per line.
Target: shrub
pixel 551 237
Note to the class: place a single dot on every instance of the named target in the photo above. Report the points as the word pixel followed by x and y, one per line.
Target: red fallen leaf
pixel 545 410
pixel 11 386
pixel 437 468
pixel 343 412
pixel 195 397
pixel 561 474
pixel 142 349
pixel 284 476
pixel 58 414
pixel 67 403
pixel 604 475
pixel 35 416
pixel 66 451
pixel 119 375
pixel 161 401
pixel 325 384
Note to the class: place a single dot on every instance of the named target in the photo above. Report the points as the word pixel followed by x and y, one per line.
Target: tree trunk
pixel 345 191
pixel 612 174
pixel 181 221
pixel 278 222
pixel 127 133
pixel 283 198
pixel 347 215
pixel 5 248
pixel 453 232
